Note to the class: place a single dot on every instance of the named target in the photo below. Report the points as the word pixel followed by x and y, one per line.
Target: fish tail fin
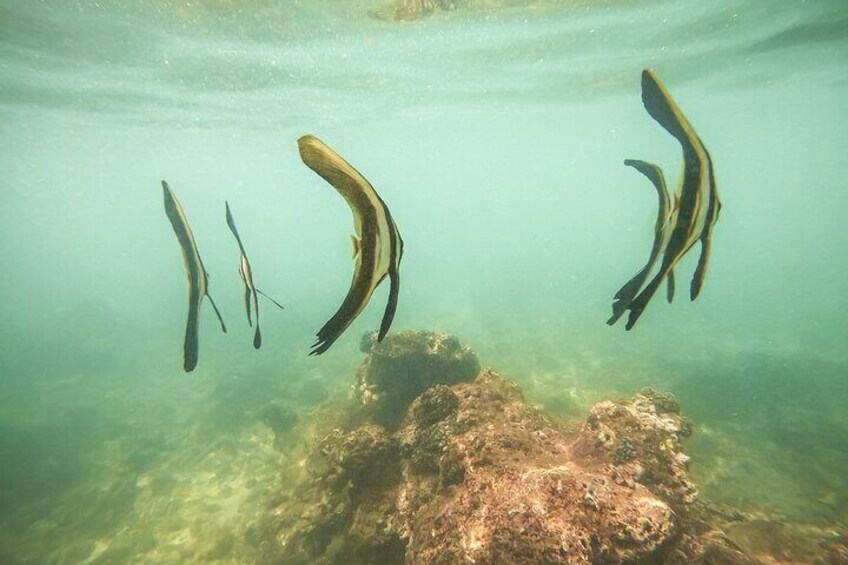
pixel 217 313
pixel 257 337
pixel 280 306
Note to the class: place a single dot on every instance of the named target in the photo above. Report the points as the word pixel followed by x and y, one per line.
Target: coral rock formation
pixel 406 364
pixel 451 471
pixel 401 10
pixel 639 442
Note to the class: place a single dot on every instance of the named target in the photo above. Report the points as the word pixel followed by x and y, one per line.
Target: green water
pixel 496 134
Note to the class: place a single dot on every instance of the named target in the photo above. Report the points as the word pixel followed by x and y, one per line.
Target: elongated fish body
pixel 662 232
pixel 246 274
pixel 198 278
pixel 378 247
pixel 698 205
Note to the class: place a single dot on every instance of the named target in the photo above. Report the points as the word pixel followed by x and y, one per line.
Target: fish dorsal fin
pixel 357 245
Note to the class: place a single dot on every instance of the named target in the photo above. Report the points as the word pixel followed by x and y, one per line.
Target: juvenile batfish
pixel 662 232
pixel 698 203
pixel 377 250
pixel 246 273
pixel 198 278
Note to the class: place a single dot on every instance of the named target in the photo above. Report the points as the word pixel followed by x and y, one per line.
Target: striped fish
pixel 246 274
pixel 666 210
pixel 198 278
pixel 698 202
pixel 377 248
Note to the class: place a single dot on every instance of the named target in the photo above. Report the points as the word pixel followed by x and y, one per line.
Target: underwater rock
pixel 639 440
pixel 836 548
pixel 278 417
pixel 433 464
pixel 358 456
pixel 474 474
pixel 281 419
pixel 404 365
pixel 517 495
pixel 344 510
pixel 403 10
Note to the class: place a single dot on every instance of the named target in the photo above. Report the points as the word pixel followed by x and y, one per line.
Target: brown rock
pixel 468 472
pixel 404 365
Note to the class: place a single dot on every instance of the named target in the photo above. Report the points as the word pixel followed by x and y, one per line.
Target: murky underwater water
pixel 495 133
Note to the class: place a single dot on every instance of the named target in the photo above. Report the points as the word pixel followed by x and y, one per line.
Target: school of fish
pixel 682 221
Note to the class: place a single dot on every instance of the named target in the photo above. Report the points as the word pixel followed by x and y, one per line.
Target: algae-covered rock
pixel 406 364
pixel 280 418
pixel 465 471
pixel 401 10
pixel 641 438
pixel 360 456
pixel 517 496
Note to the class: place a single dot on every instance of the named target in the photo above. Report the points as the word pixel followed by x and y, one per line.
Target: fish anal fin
pixel 700 270
pixel 247 304
pixel 190 344
pixel 670 289
pixel 391 306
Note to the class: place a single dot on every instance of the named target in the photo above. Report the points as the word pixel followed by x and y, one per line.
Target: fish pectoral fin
pixel 217 313
pixel 357 245
pixel 280 306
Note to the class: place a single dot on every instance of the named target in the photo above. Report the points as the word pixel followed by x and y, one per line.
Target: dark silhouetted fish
pixel 246 273
pixel 198 278
pixel 698 203
pixel 378 249
pixel 662 231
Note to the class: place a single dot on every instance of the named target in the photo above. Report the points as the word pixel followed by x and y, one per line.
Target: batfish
pixel 697 196
pixel 666 209
pixel 246 274
pixel 377 247
pixel 198 278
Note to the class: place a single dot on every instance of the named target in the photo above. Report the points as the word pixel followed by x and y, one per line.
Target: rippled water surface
pixel 495 132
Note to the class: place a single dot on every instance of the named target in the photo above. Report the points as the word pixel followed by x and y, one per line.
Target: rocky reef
pixel 446 463
pixel 403 366
pixel 401 10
